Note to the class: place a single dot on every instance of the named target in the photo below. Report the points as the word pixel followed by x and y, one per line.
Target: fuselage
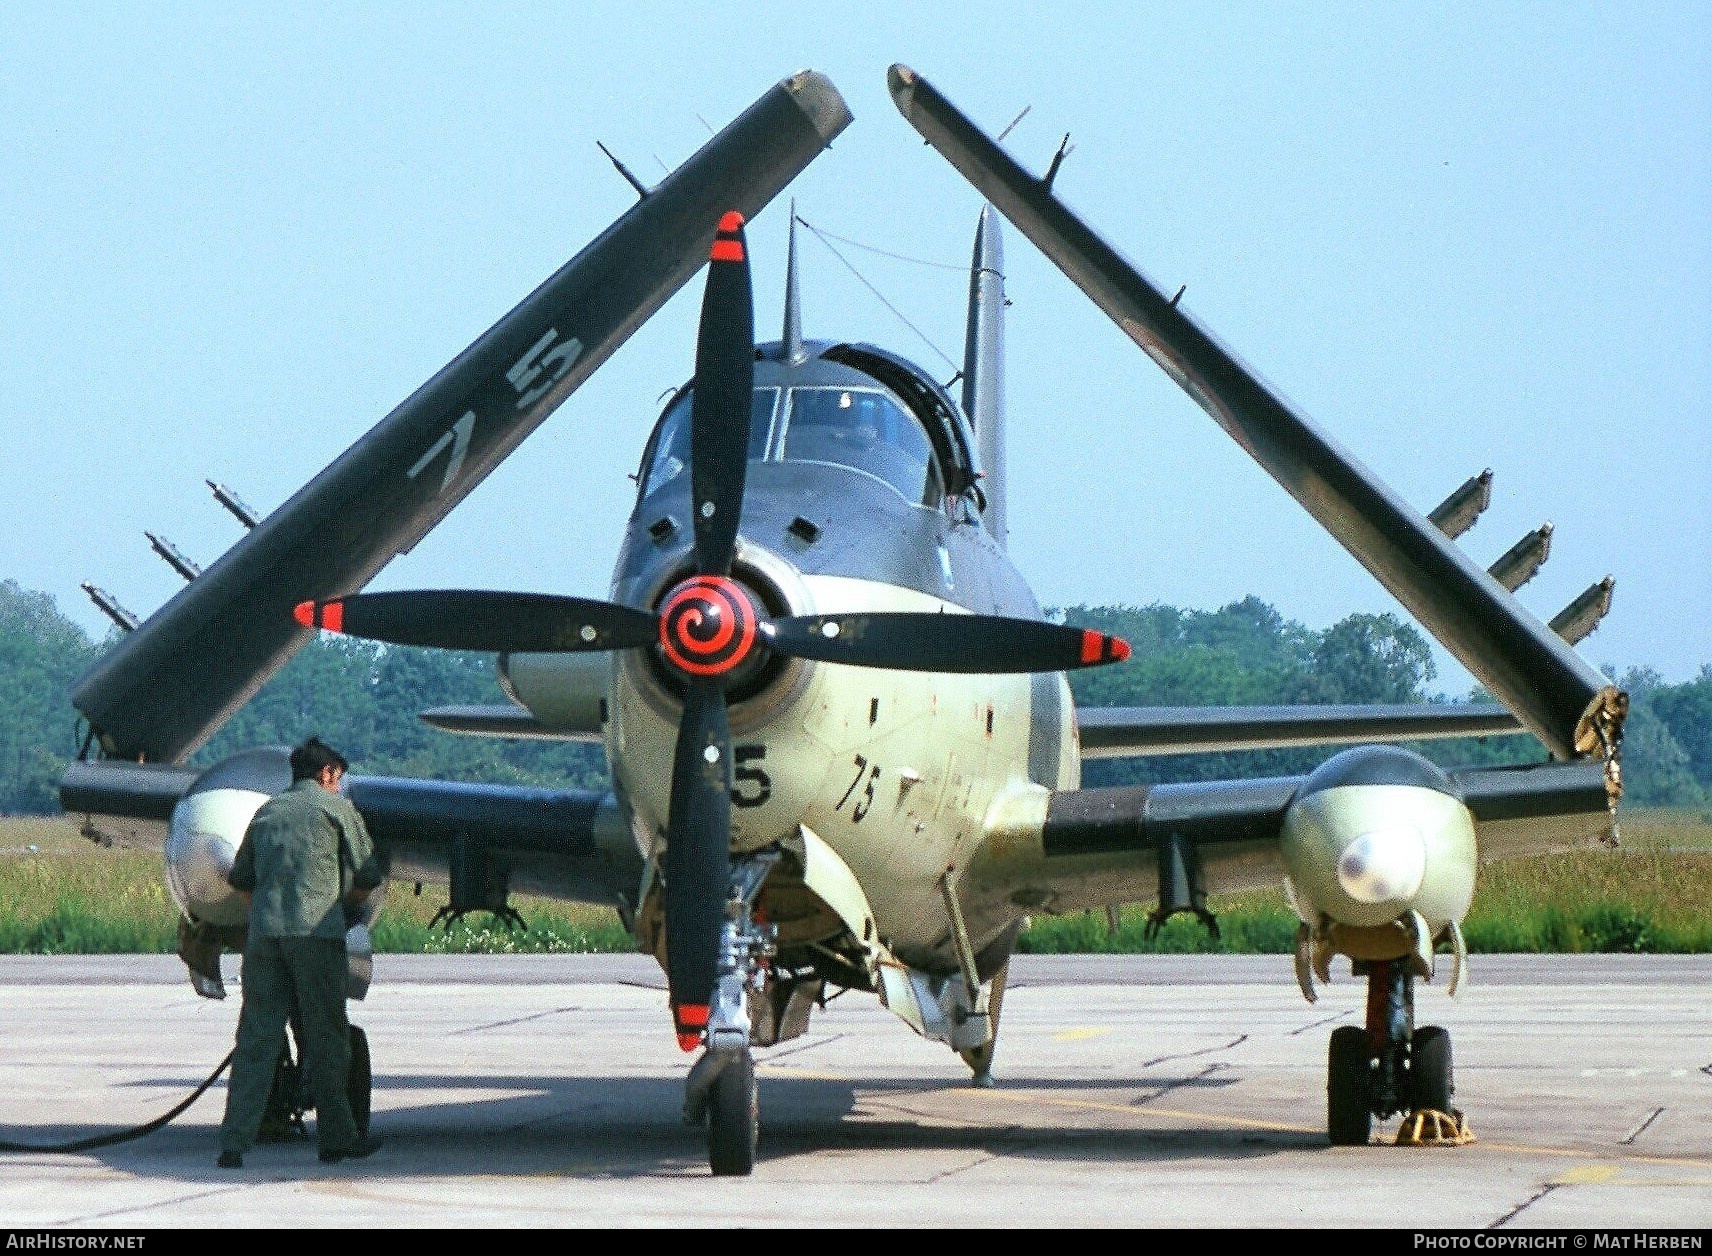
pixel 860 496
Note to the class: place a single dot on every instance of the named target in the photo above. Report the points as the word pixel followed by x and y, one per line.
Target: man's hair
pixel 312 756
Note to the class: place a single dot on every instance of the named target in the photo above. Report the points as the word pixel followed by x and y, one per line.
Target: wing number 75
pixel 544 359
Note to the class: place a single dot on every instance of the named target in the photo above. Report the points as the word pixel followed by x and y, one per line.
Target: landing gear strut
pixel 1390 1067
pixel 721 1090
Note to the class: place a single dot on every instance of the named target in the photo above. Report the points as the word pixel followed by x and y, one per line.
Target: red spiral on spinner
pixel 707 625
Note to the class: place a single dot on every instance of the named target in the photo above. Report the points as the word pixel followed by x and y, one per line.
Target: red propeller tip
pixel 1097 647
pixel 728 247
pixel 688 1041
pixel 328 615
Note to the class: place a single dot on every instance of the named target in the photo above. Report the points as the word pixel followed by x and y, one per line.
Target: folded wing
pixel 1566 702
pixel 169 685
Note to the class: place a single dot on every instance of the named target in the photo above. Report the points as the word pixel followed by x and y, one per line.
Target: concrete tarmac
pixel 546 1091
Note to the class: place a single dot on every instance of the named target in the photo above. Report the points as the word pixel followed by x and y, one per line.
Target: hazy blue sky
pixel 1459 236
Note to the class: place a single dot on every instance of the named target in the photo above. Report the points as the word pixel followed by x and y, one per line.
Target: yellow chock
pixel 1430 1128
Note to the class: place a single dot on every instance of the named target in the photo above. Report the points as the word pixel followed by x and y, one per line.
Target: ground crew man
pixel 305 859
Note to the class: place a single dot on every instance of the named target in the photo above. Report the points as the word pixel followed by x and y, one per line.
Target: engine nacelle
pixel 208 825
pixel 560 690
pixel 1380 858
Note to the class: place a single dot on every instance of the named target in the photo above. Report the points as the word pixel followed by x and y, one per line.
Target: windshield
pixel 672 447
pixel 864 428
pixel 861 428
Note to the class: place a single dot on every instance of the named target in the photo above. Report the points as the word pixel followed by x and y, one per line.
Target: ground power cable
pixel 125 1135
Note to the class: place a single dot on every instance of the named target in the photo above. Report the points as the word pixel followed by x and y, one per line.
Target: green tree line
pixel 365 699
pixel 1248 654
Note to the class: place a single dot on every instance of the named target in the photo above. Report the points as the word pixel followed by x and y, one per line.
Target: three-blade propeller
pixel 704 628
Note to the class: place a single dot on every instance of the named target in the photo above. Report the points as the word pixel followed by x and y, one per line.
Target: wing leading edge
pixel 169 685
pixel 568 844
pixel 1088 848
pixel 1113 732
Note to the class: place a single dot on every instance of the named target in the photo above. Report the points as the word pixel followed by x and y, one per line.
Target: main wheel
pixel 1430 1082
pixel 283 1117
pixel 734 1119
pixel 1349 1099
pixel 359 1081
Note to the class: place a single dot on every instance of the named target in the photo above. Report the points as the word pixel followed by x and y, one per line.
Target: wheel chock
pixel 1430 1128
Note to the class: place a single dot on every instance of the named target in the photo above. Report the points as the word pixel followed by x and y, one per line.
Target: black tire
pixel 734 1120
pixel 282 1118
pixel 1349 1086
pixel 359 1081
pixel 1430 1081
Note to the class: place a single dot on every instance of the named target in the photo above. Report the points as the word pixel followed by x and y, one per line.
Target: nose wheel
pixel 734 1119
pixel 721 1089
pixel 1388 1067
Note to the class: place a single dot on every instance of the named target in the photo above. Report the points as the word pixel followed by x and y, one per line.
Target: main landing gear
pixel 721 1091
pixel 1390 1067
pixel 290 1098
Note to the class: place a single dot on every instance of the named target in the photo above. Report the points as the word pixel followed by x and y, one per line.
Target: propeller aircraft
pixel 843 751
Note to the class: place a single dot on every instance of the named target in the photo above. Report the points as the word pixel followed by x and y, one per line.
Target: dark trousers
pixel 277 970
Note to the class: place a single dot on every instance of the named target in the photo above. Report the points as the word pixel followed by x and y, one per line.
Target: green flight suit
pixel 304 850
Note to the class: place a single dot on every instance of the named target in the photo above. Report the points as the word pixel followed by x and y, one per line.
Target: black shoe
pixel 230 1160
pixel 363 1147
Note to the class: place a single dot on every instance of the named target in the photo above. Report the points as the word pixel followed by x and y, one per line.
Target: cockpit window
pixel 672 445
pixel 865 429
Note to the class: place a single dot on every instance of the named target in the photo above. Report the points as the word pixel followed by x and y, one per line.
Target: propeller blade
pixel 474 619
pixel 942 643
pixel 720 405
pixel 698 857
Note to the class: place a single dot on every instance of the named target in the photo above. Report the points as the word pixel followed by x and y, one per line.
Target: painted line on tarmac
pixel 1093 1105
pixel 1080 1035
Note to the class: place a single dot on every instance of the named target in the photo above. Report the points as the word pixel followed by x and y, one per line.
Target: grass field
pixel 60 894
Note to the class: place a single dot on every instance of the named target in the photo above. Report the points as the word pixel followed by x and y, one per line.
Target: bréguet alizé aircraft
pixel 843 750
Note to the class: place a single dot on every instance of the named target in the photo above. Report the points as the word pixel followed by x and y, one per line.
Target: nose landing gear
pixel 721 1089
pixel 1389 1067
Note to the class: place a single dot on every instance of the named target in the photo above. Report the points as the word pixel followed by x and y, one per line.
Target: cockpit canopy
pixel 826 410
pixel 863 428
